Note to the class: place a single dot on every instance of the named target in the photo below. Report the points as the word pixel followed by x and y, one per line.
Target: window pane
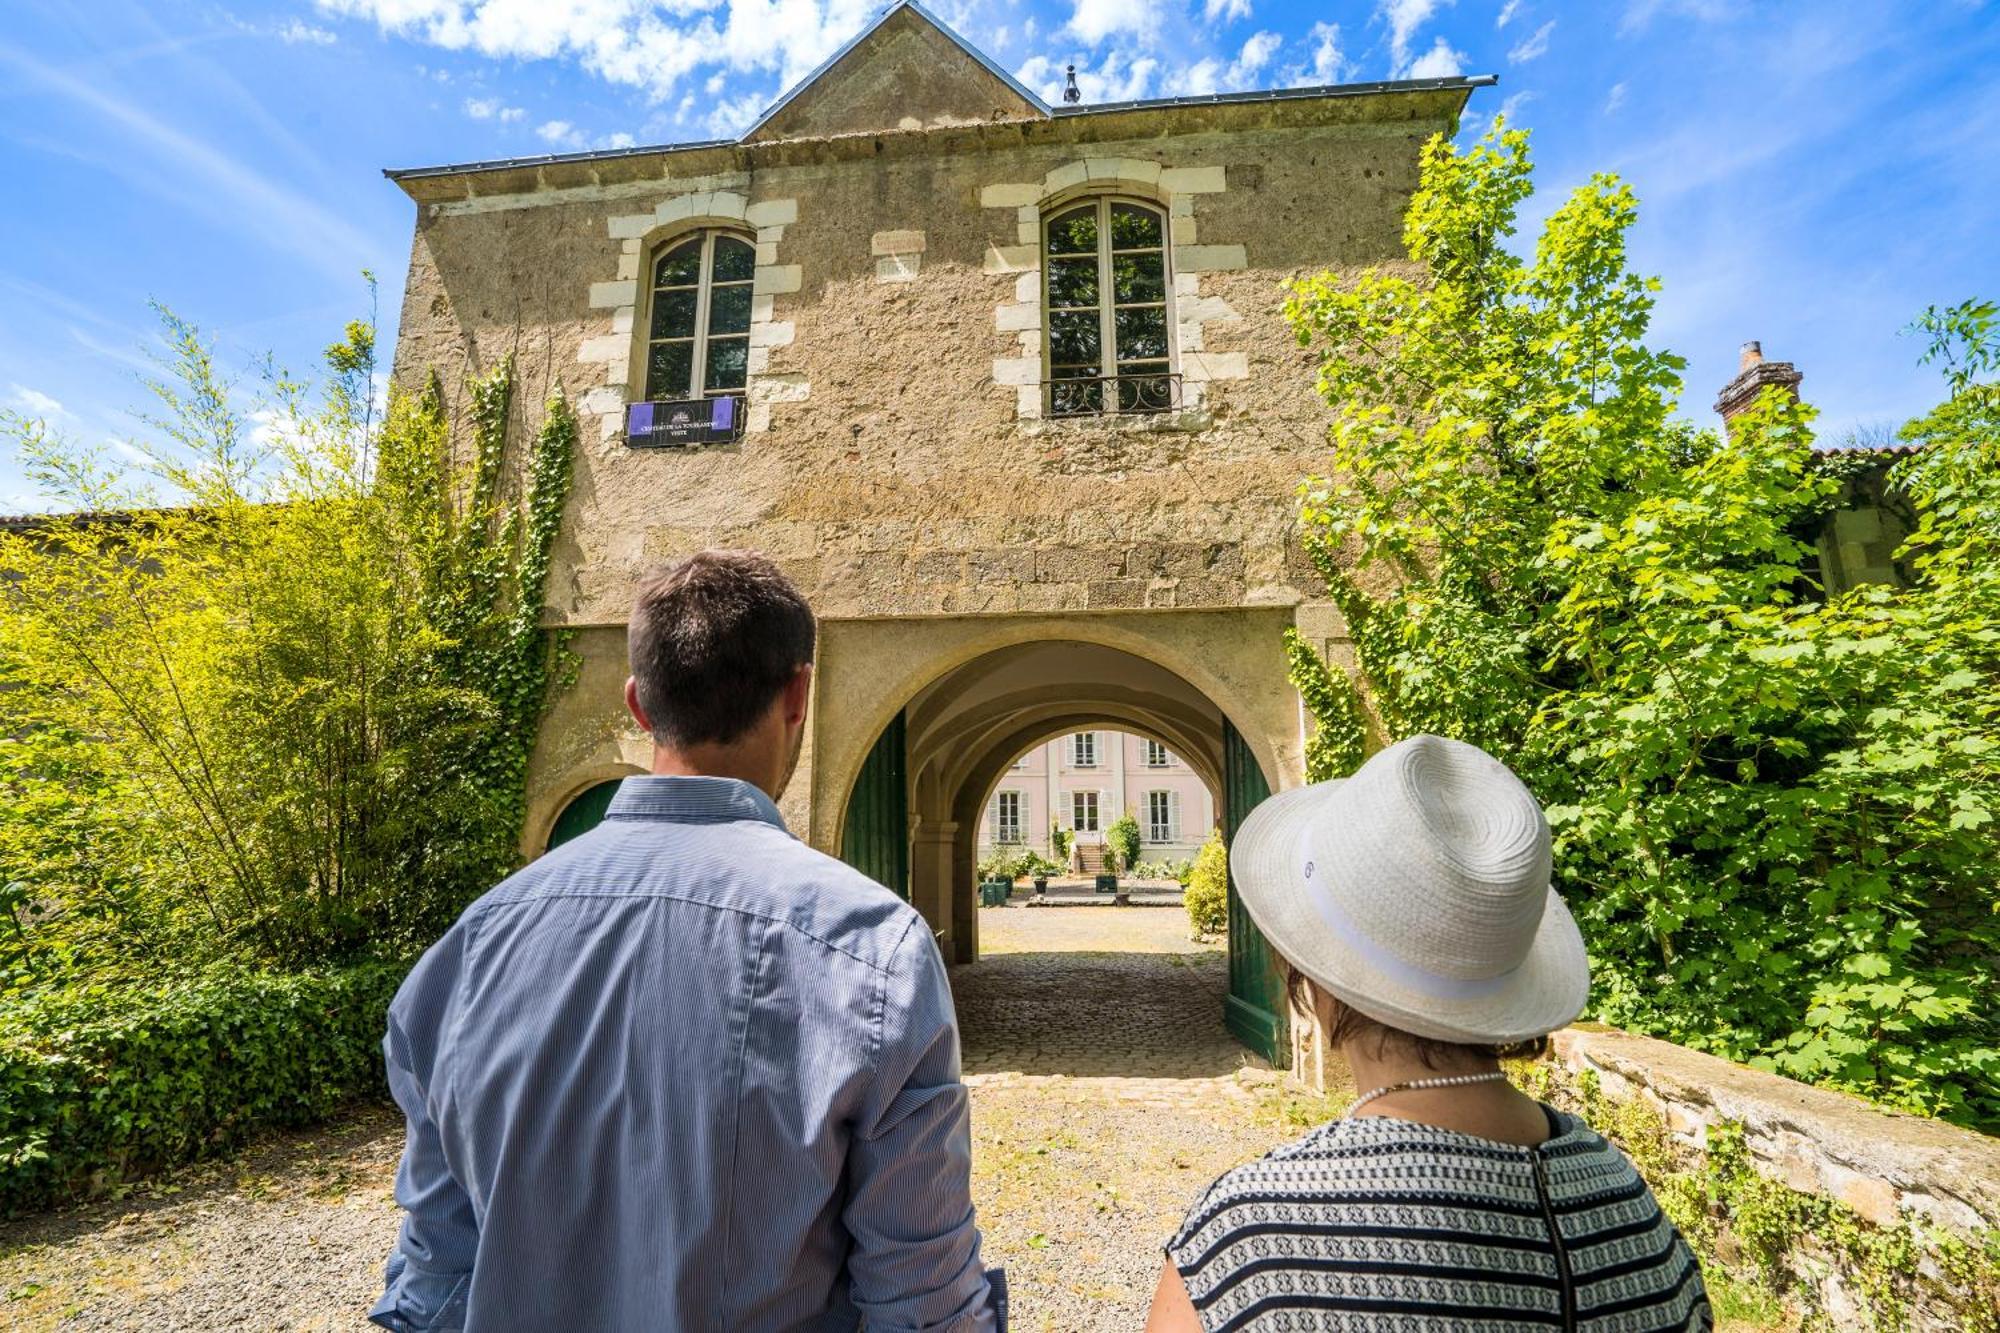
pixel 680 266
pixel 673 313
pixel 1138 279
pixel 735 261
pixel 1074 232
pixel 1134 228
pixel 1075 338
pixel 1072 282
pixel 729 310
pixel 668 366
pixel 728 359
pixel 1142 333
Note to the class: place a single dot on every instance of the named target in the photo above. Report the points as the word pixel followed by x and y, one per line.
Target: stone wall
pixel 1879 1163
pixel 1882 1220
pixel 897 462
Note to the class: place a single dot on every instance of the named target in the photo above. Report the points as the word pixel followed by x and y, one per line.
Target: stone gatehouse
pixel 1004 386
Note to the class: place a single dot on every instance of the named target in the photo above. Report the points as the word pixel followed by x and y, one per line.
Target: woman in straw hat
pixel 1412 908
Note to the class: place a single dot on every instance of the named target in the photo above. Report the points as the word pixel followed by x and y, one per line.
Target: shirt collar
pixel 692 800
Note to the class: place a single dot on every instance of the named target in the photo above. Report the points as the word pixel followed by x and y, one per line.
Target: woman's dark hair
pixel 1346 1023
pixel 712 642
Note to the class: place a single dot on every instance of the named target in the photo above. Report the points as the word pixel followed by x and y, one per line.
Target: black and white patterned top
pixel 1381 1224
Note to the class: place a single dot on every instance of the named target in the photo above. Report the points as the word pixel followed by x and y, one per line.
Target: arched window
pixel 1106 295
pixel 698 335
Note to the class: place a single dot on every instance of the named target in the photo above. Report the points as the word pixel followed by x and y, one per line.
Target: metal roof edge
pixel 1455 83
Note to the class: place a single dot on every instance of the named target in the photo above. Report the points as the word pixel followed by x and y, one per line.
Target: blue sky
pixel 1810 174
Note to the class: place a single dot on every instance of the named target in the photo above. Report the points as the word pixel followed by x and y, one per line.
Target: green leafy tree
pixel 1772 808
pixel 1121 839
pixel 1206 895
pixel 286 709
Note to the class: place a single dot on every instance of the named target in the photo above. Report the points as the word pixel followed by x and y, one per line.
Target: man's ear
pixel 798 690
pixel 632 705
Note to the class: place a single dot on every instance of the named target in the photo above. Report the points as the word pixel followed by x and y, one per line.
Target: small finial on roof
pixel 1753 352
pixel 1071 93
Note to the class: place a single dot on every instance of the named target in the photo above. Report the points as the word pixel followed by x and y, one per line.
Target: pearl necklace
pixel 1446 1081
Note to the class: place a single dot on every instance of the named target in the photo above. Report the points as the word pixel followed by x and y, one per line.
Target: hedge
pixel 103 1083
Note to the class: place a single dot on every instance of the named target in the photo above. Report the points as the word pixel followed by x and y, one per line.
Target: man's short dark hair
pixel 713 640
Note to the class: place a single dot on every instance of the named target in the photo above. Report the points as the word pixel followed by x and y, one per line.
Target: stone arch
pixel 1244 692
pixel 548 811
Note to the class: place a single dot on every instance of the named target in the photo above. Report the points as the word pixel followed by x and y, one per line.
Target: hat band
pixel 1398 970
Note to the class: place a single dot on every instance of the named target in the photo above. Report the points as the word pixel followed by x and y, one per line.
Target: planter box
pixel 1107 883
pixel 995 892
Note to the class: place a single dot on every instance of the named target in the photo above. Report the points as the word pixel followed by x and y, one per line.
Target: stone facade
pixel 897 462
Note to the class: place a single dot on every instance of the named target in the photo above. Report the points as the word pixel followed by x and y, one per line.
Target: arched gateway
pixel 1005 388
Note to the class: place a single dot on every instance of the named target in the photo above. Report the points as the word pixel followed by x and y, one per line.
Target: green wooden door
pixel 877 837
pixel 584 813
pixel 1255 1009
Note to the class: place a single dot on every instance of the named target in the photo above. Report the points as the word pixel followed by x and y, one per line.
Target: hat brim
pixel 1546 992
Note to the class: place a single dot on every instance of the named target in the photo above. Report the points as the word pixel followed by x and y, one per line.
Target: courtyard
pixel 1105 1095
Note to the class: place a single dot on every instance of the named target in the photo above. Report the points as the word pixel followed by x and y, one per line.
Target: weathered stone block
pixel 1011 258
pixel 1016 317
pixel 1208 591
pixel 775 278
pixel 630 226
pixel 1116 594
pixel 903 242
pixel 897 268
pixel 772 213
pixel 1014 565
pixel 1012 195
pixel 606 295
pixel 1193 180
pixel 1017 370
pixel 1079 564
pixel 1209 258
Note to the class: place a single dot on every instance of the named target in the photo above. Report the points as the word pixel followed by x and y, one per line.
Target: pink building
pixel 1085 780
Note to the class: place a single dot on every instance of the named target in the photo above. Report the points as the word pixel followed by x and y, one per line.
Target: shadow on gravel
pixel 1096 1015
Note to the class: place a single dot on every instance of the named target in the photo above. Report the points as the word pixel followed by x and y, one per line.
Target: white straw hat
pixel 1417 892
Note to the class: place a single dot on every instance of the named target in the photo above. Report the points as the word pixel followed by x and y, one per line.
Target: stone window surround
pixel 1171 188
pixel 722 203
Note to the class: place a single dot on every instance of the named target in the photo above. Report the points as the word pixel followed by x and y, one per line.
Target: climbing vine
pixel 274 694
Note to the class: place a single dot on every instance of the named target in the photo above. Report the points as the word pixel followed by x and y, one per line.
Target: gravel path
pixel 1105 1096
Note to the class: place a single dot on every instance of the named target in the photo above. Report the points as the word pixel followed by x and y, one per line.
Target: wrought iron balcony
pixel 676 425
pixel 1113 395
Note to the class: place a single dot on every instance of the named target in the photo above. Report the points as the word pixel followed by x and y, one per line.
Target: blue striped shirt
pixel 683 1073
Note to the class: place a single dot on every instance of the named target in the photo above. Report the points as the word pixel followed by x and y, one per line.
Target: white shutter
pixel 1173 816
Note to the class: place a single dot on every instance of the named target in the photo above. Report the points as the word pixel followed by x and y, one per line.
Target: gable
pixel 906 73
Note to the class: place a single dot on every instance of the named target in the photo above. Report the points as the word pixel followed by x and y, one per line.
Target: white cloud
pixel 492 108
pixel 560 134
pixel 1328 64
pixel 1507 12
pixel 1119 77
pixel 1227 11
pixel 1095 20
pixel 1510 108
pixel 1213 76
pixel 1256 54
pixel 646 44
pixel 298 31
pixel 731 116
pixel 619 140
pixel 1615 98
pixel 1440 62
pixel 1535 44
pixel 1404 17
pixel 34 403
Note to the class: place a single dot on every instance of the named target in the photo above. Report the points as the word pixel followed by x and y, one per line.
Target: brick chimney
pixel 1753 372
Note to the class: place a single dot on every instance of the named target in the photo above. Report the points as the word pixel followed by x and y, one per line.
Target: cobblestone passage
pixel 1105 1096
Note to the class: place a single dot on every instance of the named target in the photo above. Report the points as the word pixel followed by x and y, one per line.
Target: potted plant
pixel 1107 879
